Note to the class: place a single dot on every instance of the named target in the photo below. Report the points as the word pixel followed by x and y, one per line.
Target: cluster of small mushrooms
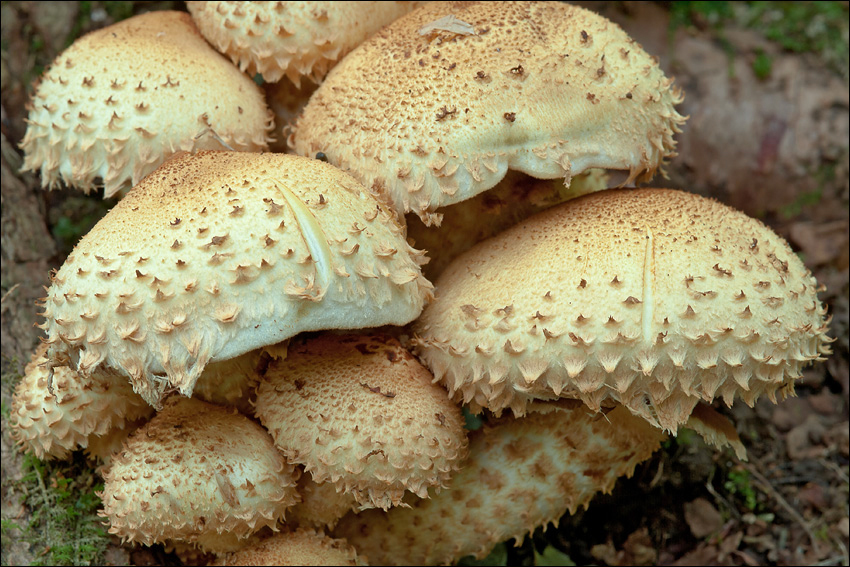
pixel 248 341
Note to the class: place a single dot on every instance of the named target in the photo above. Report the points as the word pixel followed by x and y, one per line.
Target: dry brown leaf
pixel 703 518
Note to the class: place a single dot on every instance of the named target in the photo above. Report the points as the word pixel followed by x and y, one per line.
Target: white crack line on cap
pixel 314 237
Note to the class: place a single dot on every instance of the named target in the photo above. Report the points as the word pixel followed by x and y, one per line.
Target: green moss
pixel 762 65
pixel 499 556
pixel 738 485
pixel 118 10
pixel 64 528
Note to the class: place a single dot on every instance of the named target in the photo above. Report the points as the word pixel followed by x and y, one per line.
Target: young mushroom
pixel 437 106
pixel 521 473
pixel 655 299
pixel 54 415
pixel 219 253
pixel 360 412
pixel 120 100
pixel 197 473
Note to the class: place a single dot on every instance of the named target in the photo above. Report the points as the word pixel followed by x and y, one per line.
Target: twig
pixel 834 468
pixel 9 292
pixel 768 488
pixel 719 497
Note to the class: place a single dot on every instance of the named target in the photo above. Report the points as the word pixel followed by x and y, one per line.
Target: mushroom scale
pixel 521 473
pixel 653 298
pixel 359 411
pixel 291 39
pixel 194 472
pixel 120 100
pixel 432 114
pixel 219 253
pixel 54 415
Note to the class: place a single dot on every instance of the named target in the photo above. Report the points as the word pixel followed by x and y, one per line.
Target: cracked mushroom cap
pixel 361 412
pixel 301 547
pixel 194 473
pixel 521 473
pixel 652 298
pixel 120 100
pixel 458 93
pixel 292 39
pixel 72 413
pixel 219 253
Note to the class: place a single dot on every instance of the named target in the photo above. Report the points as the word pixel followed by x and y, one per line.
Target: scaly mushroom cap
pixel 434 110
pixel 521 474
pixel 77 411
pixel 292 39
pixel 514 199
pixel 230 382
pixel 194 472
pixel 301 547
pixel 652 298
pixel 219 253
pixel 361 412
pixel 122 99
pixel 321 505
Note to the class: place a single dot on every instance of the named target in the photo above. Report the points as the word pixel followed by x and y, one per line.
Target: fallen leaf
pixel 703 518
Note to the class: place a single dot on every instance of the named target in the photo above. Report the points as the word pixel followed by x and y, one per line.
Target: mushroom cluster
pixel 268 309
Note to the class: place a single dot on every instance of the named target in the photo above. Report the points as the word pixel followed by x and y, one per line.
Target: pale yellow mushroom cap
pixel 520 474
pixel 291 39
pixel 361 412
pixel 301 547
pixel 433 111
pixel 120 100
pixel 220 253
pixel 194 472
pixel 73 412
pixel 652 298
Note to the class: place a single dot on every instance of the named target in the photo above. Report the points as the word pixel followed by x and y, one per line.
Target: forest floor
pixel 766 88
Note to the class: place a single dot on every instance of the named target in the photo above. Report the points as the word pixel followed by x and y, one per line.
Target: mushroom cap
pixel 321 505
pixel 433 117
pixel 520 474
pixel 652 298
pixel 361 412
pixel 122 99
pixel 193 472
pixel 219 253
pixel 292 39
pixel 301 547
pixel 230 382
pixel 77 411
